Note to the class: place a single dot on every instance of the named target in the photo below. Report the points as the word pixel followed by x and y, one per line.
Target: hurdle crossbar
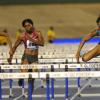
pixel 48 66
pixel 81 65
pixel 38 66
pixel 18 75
pixel 51 74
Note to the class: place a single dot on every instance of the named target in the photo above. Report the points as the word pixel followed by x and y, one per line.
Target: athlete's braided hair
pixel 27 21
pixel 98 20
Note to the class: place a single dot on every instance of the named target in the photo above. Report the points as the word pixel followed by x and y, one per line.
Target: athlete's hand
pixel 9 60
pixel 11 52
pixel 11 55
pixel 77 57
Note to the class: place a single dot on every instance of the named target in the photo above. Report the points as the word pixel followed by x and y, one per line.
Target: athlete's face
pixel 98 24
pixel 28 27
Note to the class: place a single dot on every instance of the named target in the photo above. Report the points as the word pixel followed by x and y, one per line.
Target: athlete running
pixel 96 50
pixel 31 39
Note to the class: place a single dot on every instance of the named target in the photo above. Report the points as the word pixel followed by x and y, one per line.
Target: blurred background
pixel 70 18
pixel 64 21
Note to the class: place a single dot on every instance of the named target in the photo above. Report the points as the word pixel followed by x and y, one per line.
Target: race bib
pixel 98 32
pixel 31 45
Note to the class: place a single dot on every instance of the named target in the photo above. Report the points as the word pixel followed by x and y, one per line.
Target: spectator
pixel 51 34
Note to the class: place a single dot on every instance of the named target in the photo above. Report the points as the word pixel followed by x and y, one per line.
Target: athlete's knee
pixel 35 70
pixel 24 70
pixel 84 58
pixel 97 50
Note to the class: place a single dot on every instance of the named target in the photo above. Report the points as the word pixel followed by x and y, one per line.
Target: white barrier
pixel 48 66
pixel 70 74
pixel 38 66
pixel 81 65
pixel 18 75
pixel 50 74
pixel 52 60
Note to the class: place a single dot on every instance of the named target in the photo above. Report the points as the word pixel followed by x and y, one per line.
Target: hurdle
pixel 66 84
pixel 70 75
pixel 49 75
pixel 61 66
pixel 51 61
pixel 48 66
pixel 16 60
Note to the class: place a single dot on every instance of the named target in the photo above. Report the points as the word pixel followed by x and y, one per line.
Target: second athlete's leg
pixel 91 54
pixel 20 81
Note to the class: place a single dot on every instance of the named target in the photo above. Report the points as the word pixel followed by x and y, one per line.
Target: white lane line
pixel 26 93
pixel 14 87
pixel 77 93
pixel 44 96
pixel 91 95
pixel 56 86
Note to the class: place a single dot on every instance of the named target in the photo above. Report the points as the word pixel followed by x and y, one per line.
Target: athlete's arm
pixel 39 40
pixel 17 43
pixel 85 39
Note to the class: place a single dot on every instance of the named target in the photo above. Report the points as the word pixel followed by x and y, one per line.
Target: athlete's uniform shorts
pixel 30 59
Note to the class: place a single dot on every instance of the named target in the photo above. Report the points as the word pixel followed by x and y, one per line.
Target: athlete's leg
pixel 23 63
pixel 92 53
pixel 34 70
pixel 20 81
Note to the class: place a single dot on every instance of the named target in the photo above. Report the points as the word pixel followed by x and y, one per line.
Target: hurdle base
pixel 11 96
pixel 96 79
pixel 79 95
pixel 90 86
pixel 52 98
pixel 42 86
pixel 66 99
pixel 24 96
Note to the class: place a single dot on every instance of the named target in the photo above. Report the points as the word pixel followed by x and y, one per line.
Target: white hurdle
pixel 48 66
pixel 51 75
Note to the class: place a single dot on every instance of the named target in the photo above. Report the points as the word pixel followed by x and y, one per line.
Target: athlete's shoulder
pixel 97 29
pixel 94 30
pixel 21 36
pixel 23 33
pixel 38 32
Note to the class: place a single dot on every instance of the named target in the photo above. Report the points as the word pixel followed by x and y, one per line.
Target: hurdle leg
pixel 52 89
pixel 43 81
pixel 10 84
pixel 52 84
pixel 66 89
pixel 0 89
pixel 78 83
pixel 47 88
pixel 23 89
pixel 66 84
pixel 30 87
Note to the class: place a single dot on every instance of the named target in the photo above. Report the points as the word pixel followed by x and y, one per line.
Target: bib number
pixel 31 45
